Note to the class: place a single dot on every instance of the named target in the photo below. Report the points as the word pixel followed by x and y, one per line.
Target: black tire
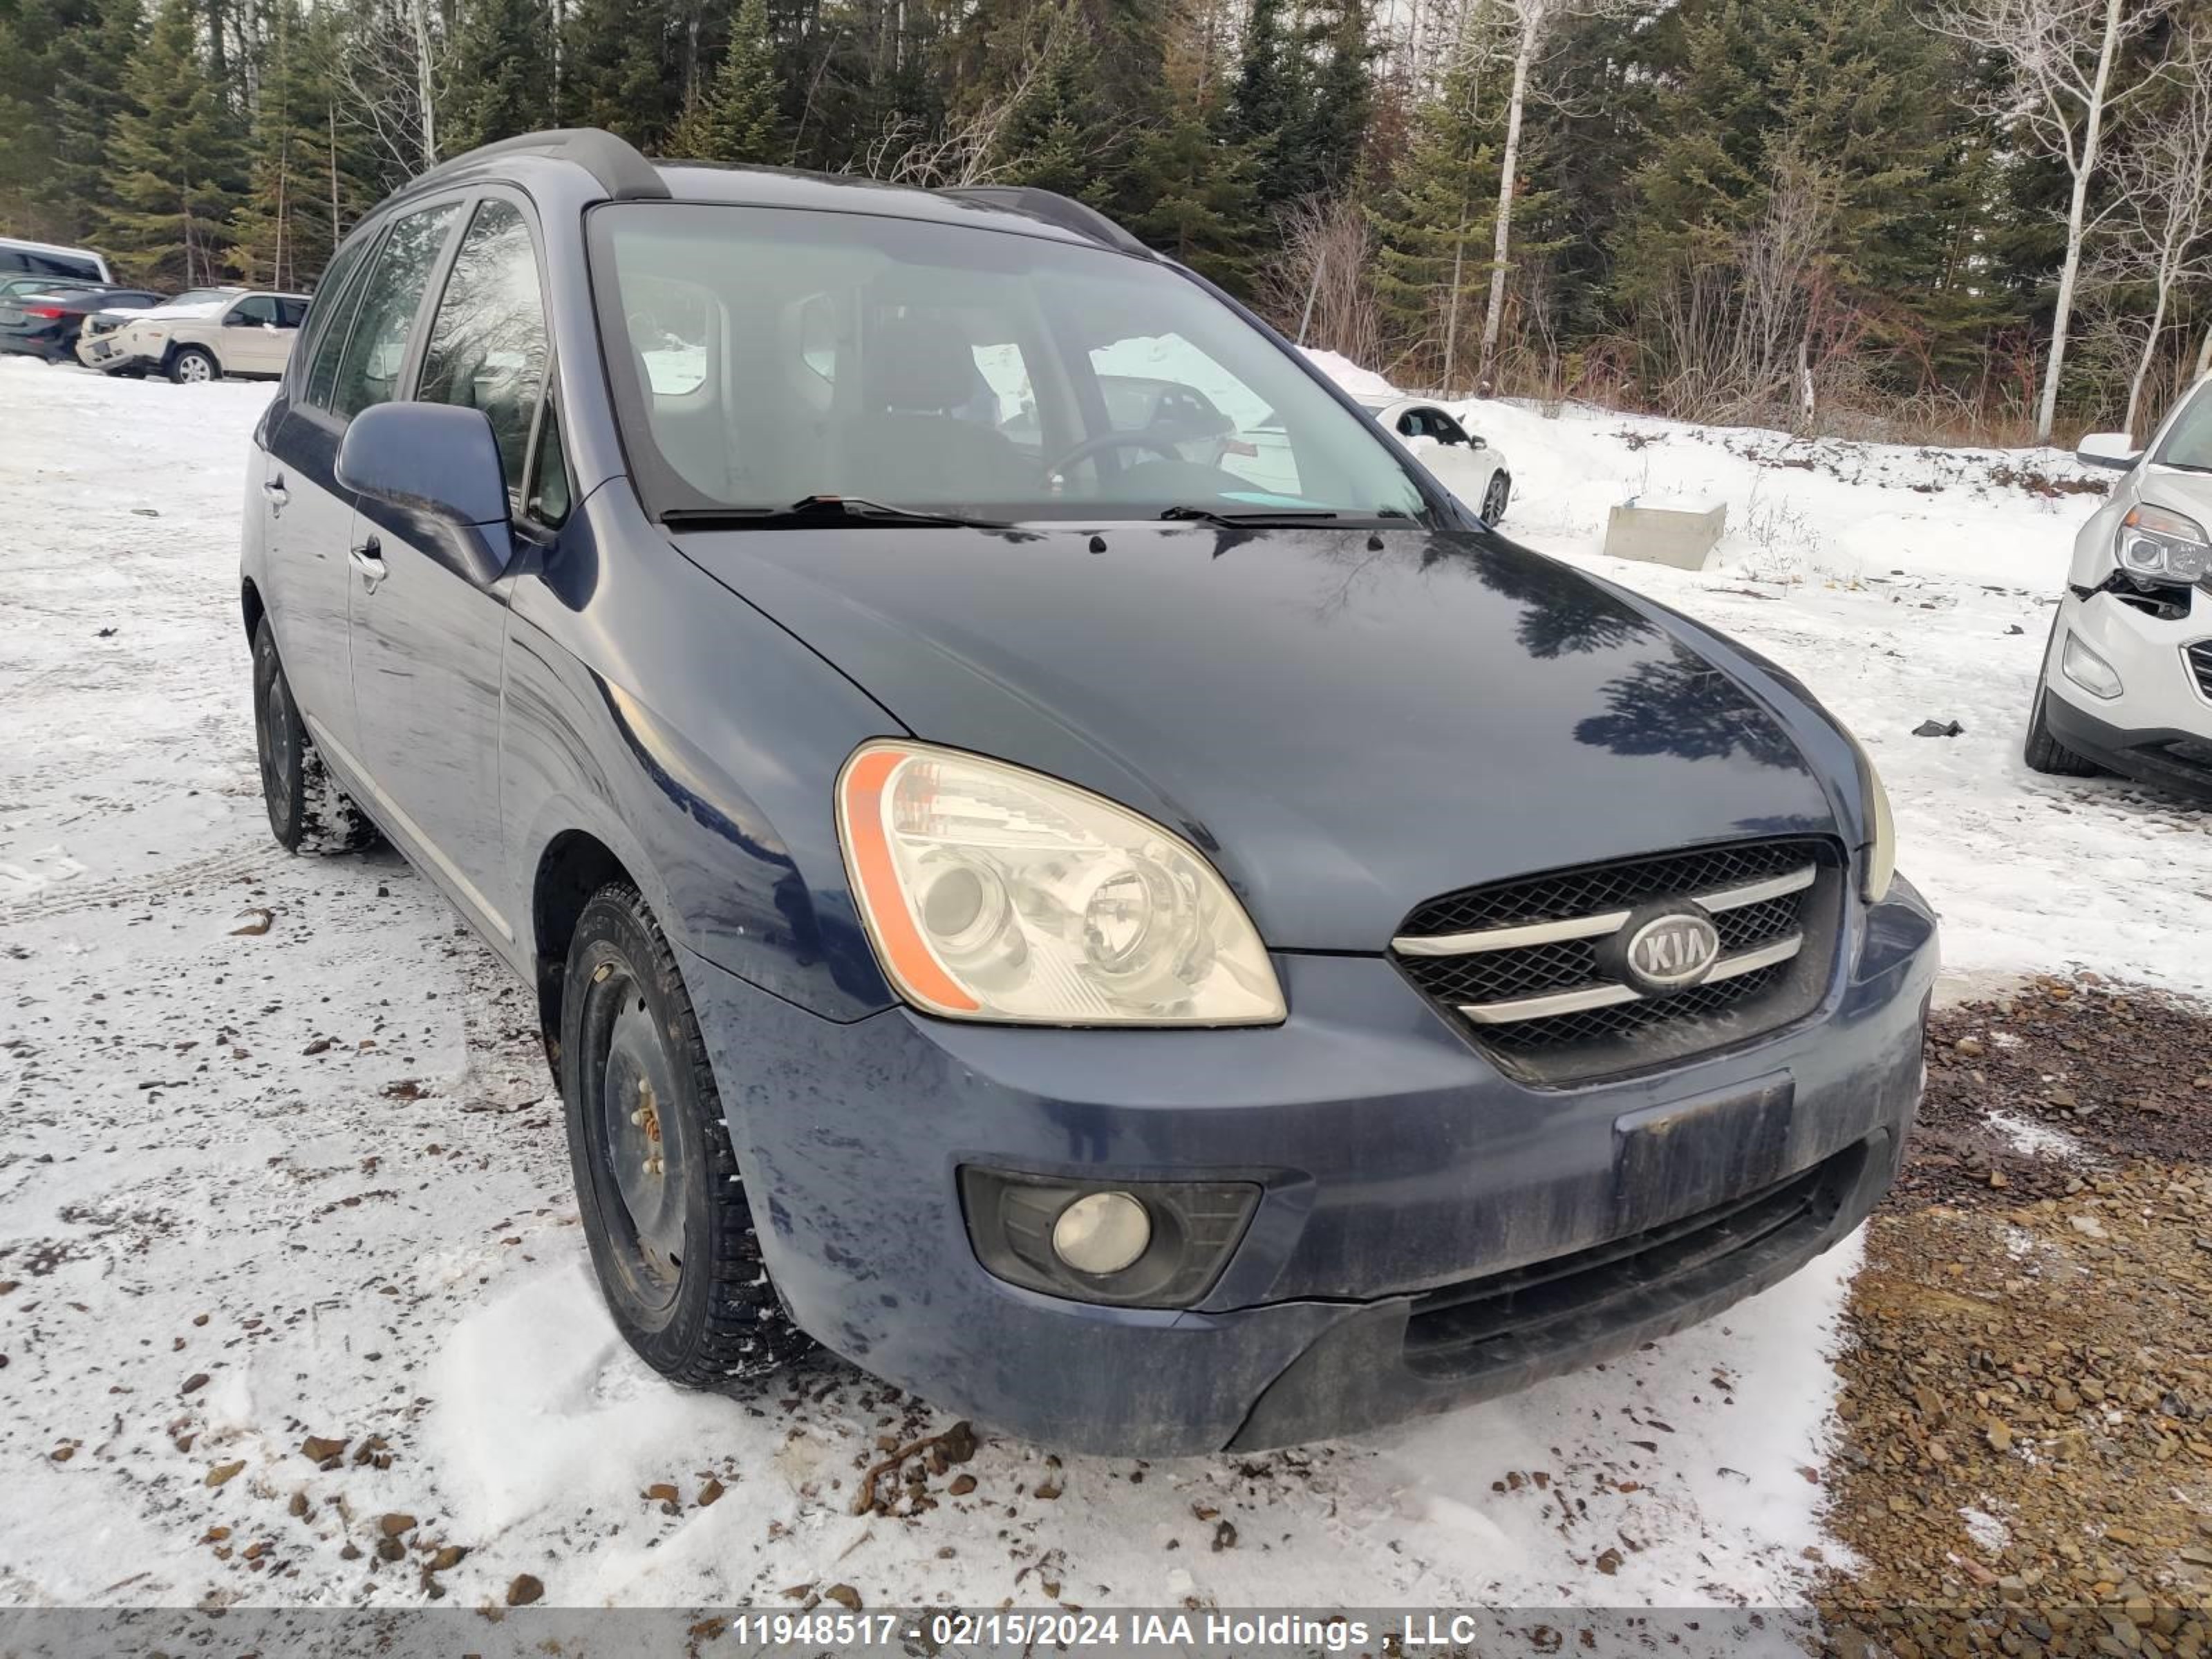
pixel 674 1248
pixel 194 366
pixel 1495 498
pixel 2045 753
pixel 308 812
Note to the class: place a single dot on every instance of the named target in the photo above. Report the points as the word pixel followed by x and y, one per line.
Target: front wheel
pixel 1495 497
pixel 671 1235
pixel 2045 753
pixel 193 366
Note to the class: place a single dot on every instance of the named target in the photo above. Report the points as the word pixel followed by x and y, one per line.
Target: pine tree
pixel 617 72
pixel 1061 136
pixel 281 230
pixel 1333 98
pixel 1433 227
pixel 1263 102
pixel 502 70
pixel 739 116
pixel 1850 98
pixel 58 100
pixel 1195 198
pixel 87 101
pixel 176 158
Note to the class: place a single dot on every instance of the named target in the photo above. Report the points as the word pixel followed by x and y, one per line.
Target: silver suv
pixel 2127 679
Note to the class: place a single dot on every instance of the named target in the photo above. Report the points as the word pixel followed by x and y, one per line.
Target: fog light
pixel 1119 1243
pixel 2088 670
pixel 1103 1233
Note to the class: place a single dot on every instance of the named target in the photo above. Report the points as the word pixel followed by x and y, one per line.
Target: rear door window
pixel 376 353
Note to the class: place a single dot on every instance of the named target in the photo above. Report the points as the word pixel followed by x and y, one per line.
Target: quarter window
pixel 488 342
pixel 549 489
pixel 335 294
pixel 368 371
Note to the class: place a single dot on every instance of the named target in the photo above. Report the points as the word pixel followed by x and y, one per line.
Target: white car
pixel 2127 677
pixel 242 334
pixel 1461 461
pixel 22 258
pixel 97 346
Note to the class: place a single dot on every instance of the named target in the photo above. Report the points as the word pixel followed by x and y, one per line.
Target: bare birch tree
pixel 393 70
pixel 2062 59
pixel 2163 219
pixel 1529 27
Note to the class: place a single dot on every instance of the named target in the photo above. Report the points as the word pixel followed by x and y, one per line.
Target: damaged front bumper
pixel 2158 728
pixel 1429 1231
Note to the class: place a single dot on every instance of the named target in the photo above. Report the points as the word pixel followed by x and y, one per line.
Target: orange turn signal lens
pixel 876 883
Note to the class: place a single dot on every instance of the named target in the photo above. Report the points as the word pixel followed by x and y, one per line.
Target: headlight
pixel 995 893
pixel 2153 541
pixel 1881 847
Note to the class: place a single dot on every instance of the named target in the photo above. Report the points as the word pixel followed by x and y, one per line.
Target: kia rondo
pixel 1155 953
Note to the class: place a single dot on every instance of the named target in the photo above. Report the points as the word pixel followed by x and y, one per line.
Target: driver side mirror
pixel 436 467
pixel 2116 450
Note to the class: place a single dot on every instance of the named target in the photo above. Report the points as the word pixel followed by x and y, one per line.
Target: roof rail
pixel 622 172
pixel 1055 209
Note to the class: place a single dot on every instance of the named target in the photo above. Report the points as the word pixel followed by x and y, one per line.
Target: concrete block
pixel 1680 533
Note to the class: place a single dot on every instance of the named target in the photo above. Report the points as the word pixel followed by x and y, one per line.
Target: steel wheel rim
pixel 276 745
pixel 635 1145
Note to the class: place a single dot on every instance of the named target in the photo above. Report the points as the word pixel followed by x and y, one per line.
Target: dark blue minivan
pixel 1159 940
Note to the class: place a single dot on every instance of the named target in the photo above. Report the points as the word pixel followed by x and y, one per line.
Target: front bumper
pixel 1404 1178
pixel 2159 729
pixel 107 353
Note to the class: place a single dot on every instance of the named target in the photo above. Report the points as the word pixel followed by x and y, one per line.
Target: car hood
pixel 1346 724
pixel 2183 492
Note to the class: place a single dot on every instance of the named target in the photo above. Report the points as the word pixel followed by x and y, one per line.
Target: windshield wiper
pixel 811 510
pixel 1259 520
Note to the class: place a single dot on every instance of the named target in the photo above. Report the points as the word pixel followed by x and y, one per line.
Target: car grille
pixel 2200 664
pixel 1522 965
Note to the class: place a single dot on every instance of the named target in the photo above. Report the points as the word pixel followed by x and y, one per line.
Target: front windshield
pixel 766 355
pixel 2189 445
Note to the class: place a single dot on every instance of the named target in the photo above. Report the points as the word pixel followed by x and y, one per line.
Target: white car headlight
pixel 1882 830
pixel 2153 541
pixel 995 893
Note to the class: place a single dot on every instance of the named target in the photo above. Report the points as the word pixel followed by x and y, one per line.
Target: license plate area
pixel 1687 1155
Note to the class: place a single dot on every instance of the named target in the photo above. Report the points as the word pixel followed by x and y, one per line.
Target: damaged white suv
pixel 2127 679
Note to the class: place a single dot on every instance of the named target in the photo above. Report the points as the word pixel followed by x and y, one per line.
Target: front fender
pixel 650 708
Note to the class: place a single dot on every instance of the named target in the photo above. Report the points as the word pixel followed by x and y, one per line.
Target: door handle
pixel 274 491
pixel 367 558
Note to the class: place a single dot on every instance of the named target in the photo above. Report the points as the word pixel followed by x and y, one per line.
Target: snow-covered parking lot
pixel 281 1161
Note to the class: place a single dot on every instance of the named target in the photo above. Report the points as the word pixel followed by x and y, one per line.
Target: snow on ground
pixel 260 1186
